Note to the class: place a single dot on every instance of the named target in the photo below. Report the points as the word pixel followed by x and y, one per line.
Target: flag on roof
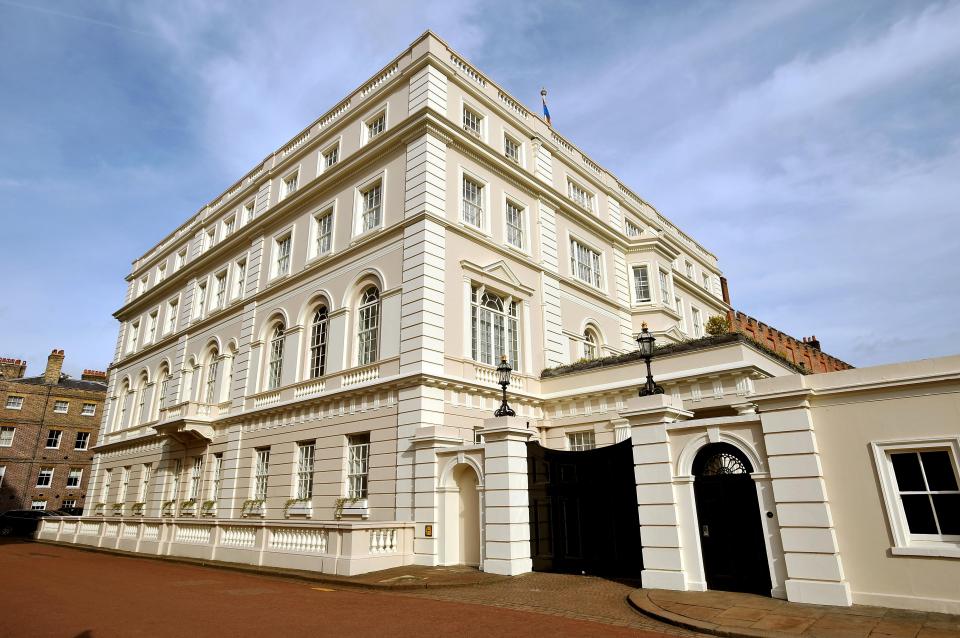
pixel 546 111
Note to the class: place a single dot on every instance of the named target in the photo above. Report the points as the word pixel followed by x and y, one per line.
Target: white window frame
pixel 239 278
pixel 38 505
pixel 524 246
pixel 142 285
pixel 315 227
pixel 46 472
pixel 306 464
pixel 275 257
pixel 200 298
pixel 696 317
pixel 358 465
pixel 371 354
pixel 86 441
pixel 275 352
pixel 14 402
pixel 366 121
pixel 591 196
pixel 58 403
pixel 260 484
pixel 581 440
pixel 574 263
pixel 289 183
pixel 161 273
pixel 74 474
pixel 217 476
pixel 152 321
pixel 322 165
pixel 360 199
pixel 512 328
pixel 220 284
pixel 133 339
pixel 591 341
pixel 249 211
pixel 3 472
pixel 144 492
pixel 666 287
pixel 92 409
pixel 629 226
pixel 637 299
pixel 170 315
pixel 519 160
pixel 707 280
pixel 69 502
pixel 57 436
pixel 484 185
pixel 678 305
pixel 905 543
pixel 229 226
pixel 180 259
pixel 481 131
pixel 196 479
pixel 4 429
pixel 209 238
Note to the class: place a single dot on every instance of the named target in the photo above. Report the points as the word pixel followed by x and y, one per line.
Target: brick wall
pixel 804 352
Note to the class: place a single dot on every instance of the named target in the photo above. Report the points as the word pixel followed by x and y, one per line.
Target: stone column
pixel 506 498
pixel 656 497
pixel 814 569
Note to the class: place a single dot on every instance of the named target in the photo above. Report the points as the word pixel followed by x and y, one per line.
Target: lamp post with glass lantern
pixel 503 378
pixel 645 341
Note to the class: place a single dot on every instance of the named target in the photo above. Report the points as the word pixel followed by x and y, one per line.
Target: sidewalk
pixel 747 615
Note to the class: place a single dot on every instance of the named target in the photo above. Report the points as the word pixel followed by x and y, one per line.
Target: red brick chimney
pixel 12 368
pixel 54 366
pixel 94 375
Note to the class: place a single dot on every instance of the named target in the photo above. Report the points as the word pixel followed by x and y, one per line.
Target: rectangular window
pixel 706 281
pixel 210 239
pixel 53 439
pixel 305 455
pixel 172 307
pixel 580 195
pixel 161 272
pixel 144 492
pixel 928 491
pixel 631 229
pixel 688 267
pixel 664 288
pixel 239 278
pixel 134 337
pixel 174 479
pixel 14 402
pixel 61 407
pixel 358 465
pixel 73 478
pixel 220 289
pixel 89 409
pixel 196 474
pixel 472 122
pixel 217 476
pixel 641 283
pixel 180 259
pixel 229 225
pixel 372 209
pixel 152 327
pixel 45 478
pixel 323 228
pixel 210 396
pixel 678 304
pixel 142 286
pixel 282 262
pixel 201 298
pixel 3 471
pixel 38 505
pixel 511 149
pixel 82 441
pixel 6 435
pixel 514 225
pixel 585 264
pixel 472 202
pixel 260 474
pixel 580 441
pixel 376 126
pixel 697 322
pixel 69 502
pixel 248 212
pixel 105 488
pixel 124 482
pixel 332 156
pixel 290 185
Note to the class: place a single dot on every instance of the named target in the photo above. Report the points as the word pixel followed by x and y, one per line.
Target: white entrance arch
pixel 461 509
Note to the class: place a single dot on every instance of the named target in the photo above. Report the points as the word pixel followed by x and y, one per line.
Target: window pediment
pixel 497 275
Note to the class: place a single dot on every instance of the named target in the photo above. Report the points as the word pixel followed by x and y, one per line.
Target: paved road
pixel 50 590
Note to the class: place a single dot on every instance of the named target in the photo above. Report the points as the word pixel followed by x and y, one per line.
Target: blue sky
pixel 814 146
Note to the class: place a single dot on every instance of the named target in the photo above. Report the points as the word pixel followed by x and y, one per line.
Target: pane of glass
pixel 948 512
pixel 939 470
pixel 906 466
pixel 919 514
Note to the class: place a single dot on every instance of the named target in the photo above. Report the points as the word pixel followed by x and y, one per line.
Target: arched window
pixel 275 371
pixel 495 328
pixel 318 343
pixel 368 326
pixel 164 380
pixel 213 369
pixel 140 415
pixel 121 416
pixel 590 343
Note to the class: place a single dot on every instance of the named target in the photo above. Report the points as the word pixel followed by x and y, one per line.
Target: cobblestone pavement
pixel 582 597
pixel 58 591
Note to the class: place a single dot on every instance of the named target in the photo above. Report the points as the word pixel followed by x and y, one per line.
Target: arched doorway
pixel 728 513
pixel 462 518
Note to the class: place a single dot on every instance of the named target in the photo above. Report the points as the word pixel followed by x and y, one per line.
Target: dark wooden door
pixel 583 511
pixel 731 531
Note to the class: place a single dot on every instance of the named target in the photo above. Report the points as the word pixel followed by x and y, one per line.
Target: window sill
pixel 517 249
pixel 474 229
pixel 932 552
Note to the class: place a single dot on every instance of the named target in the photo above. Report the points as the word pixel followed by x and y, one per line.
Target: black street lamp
pixel 645 341
pixel 503 378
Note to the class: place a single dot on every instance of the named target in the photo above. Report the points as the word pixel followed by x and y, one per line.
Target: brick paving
pixel 750 616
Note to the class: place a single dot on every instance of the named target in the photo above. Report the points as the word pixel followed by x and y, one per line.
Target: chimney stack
pixel 813 342
pixel 12 368
pixel 94 375
pixel 54 366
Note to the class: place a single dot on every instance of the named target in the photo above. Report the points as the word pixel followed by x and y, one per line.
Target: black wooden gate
pixel 583 511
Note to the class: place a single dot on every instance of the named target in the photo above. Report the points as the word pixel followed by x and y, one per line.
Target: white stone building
pixel 305 370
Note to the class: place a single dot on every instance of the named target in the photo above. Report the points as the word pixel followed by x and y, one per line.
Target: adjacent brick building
pixel 48 428
pixel 805 352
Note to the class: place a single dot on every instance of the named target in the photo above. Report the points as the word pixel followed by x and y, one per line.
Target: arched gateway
pixel 728 515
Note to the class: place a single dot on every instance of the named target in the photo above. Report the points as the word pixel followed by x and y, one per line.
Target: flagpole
pixel 546 111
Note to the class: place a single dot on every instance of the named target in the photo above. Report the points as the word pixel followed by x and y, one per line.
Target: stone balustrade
pixel 331 547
